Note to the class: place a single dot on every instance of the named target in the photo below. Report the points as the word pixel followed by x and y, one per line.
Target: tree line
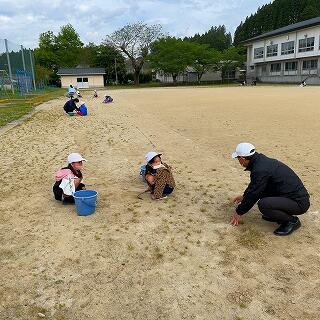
pixel 275 15
pixel 136 45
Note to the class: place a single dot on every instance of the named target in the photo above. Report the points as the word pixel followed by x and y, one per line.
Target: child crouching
pixel 69 179
pixel 159 176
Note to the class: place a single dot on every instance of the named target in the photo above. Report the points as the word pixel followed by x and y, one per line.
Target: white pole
pixel 9 65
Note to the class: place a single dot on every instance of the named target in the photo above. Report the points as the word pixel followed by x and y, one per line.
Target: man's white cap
pixel 244 149
pixel 150 155
pixel 75 157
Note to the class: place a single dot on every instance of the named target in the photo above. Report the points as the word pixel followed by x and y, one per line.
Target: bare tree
pixel 134 41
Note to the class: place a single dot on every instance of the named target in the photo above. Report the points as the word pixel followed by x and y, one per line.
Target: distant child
pixel 95 94
pixel 159 177
pixel 107 99
pixel 79 94
pixel 69 179
pixel 71 91
pixel 303 84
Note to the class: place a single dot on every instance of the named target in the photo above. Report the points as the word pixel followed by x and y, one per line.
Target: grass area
pixel 15 106
pixel 13 112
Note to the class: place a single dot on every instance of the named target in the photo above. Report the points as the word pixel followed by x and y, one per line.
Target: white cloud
pixel 22 21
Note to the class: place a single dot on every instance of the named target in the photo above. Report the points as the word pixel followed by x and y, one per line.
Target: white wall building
pixel 82 77
pixel 290 54
pixel 191 76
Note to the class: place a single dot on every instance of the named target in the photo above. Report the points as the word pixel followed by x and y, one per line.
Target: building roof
pixel 80 71
pixel 292 27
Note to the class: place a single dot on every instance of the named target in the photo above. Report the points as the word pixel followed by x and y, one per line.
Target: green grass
pixel 15 106
pixel 13 112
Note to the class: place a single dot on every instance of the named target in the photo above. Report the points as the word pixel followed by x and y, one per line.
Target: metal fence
pixel 17 68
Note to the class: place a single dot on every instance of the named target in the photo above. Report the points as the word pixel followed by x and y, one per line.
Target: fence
pixel 17 69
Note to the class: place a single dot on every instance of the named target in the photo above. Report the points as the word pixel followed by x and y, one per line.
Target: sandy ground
pixel 174 259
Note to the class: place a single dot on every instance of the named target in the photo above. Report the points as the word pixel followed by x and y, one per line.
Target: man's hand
pixel 235 219
pixel 238 199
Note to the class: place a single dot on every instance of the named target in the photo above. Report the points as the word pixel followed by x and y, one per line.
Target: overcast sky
pixel 22 21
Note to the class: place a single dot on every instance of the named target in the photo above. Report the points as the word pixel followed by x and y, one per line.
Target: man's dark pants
pixel 283 209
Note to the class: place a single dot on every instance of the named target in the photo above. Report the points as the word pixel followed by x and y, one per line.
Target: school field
pixel 173 259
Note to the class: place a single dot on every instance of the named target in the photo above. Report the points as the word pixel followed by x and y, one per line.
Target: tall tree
pixel 232 59
pixel 112 60
pixel 277 14
pixel 68 46
pixel 134 41
pixel 217 38
pixel 171 55
pixel 204 59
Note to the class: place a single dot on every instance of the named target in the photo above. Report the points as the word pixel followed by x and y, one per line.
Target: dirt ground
pixel 173 259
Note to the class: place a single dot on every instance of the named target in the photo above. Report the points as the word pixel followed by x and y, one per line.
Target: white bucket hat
pixel 150 155
pixel 244 149
pixel 75 157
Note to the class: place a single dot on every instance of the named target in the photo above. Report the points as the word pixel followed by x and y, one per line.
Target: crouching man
pixel 280 193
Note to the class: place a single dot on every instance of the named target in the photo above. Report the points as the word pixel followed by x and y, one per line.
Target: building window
pixel 291 66
pixel 85 79
pixel 272 50
pixel 306 44
pixel 287 47
pixel 275 67
pixel 310 65
pixel 258 53
pixel 79 79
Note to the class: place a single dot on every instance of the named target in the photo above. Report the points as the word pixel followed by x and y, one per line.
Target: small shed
pixel 82 77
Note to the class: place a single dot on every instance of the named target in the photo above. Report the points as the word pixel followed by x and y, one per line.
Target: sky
pixel 21 22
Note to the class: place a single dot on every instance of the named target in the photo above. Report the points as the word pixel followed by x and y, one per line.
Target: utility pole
pixel 9 65
pixel 24 69
pixel 32 70
pixel 115 68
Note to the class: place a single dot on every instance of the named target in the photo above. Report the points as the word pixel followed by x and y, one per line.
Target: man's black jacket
pixel 270 178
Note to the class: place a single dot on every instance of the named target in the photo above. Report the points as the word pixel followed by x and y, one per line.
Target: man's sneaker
pixel 270 219
pixel 287 228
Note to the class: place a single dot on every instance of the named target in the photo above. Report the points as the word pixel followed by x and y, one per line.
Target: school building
pixel 82 77
pixel 287 55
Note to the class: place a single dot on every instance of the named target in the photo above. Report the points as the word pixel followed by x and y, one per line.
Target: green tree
pixel 112 60
pixel 46 53
pixel 204 59
pixel 217 38
pixel 69 46
pixel 277 14
pixel 232 59
pixel 171 55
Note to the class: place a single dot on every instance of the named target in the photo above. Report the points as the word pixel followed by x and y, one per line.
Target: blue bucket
pixel 86 202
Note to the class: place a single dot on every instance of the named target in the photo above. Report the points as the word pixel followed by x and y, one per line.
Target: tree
pixel 46 54
pixel 232 58
pixel 134 41
pixel 171 55
pixel 55 51
pixel 277 14
pixel 112 60
pixel 68 46
pixel 216 37
pixel 204 59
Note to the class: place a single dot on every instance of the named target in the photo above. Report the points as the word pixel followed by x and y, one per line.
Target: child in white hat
pixel 69 179
pixel 158 176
